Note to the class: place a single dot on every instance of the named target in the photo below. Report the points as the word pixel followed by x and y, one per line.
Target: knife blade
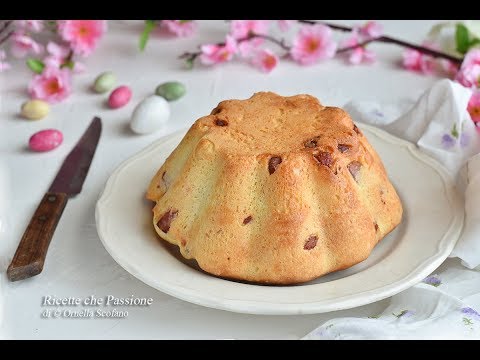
pixel 72 174
pixel 29 258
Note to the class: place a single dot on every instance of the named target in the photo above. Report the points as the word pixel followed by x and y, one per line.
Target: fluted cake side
pixel 274 189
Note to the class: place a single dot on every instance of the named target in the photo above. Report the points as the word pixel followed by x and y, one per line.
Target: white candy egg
pixel 150 114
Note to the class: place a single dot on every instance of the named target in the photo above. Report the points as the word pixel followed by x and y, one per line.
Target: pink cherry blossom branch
pixel 284 46
pixel 390 40
pixel 280 42
pixel 360 44
pixel 191 56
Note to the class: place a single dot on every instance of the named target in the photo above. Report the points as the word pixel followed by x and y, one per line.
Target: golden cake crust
pixel 274 189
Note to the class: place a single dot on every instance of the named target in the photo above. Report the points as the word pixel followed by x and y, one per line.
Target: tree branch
pixel 3 28
pixel 191 56
pixel 390 40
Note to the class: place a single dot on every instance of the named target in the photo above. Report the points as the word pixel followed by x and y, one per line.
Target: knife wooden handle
pixel 32 250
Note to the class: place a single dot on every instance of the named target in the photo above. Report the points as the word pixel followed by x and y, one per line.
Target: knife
pixel 30 256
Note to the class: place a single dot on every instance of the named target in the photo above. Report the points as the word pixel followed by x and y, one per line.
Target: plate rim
pixel 443 249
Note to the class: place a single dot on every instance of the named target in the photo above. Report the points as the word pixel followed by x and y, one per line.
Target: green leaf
pixel 473 27
pixel 149 26
pixel 473 42
pixel 455 131
pixel 462 38
pixel 35 65
pixel 189 63
pixel 68 64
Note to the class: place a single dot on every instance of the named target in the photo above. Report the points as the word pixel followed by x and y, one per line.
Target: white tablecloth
pixel 77 264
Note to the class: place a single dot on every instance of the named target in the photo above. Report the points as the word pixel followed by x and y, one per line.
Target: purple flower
pixel 448 141
pixel 464 140
pixel 470 311
pixel 433 280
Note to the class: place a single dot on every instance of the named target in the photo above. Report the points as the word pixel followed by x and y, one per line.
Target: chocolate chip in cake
pixel 221 122
pixel 311 242
pixel 247 220
pixel 354 168
pixel 273 164
pixel 343 147
pixel 376 227
pixel 166 220
pixel 356 129
pixel 324 158
pixel 312 143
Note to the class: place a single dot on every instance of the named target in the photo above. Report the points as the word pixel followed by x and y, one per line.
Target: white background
pixel 77 264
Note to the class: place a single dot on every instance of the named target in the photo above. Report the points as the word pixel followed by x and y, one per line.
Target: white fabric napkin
pixel 446 305
pixel 468 247
pixel 441 126
pixel 443 307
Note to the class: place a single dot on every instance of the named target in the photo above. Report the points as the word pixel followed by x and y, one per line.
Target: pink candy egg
pixel 119 97
pixel 45 140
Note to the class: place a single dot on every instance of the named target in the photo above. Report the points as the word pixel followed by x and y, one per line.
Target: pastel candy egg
pixel 119 97
pixel 171 91
pixel 150 114
pixel 45 140
pixel 104 82
pixel 35 109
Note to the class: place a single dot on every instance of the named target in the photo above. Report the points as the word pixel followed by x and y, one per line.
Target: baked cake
pixel 274 189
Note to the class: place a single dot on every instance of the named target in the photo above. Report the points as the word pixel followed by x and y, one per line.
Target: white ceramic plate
pixel 433 218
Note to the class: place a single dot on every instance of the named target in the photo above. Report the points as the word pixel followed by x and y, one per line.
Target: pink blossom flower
pixel 371 29
pixel 312 43
pixel 57 54
pixel 474 107
pixel 242 28
pixel 469 73
pixel 265 60
pixel 284 25
pixel 82 35
pixel 22 44
pixel 359 54
pixel 247 48
pixel 216 54
pixel 181 28
pixel 414 60
pixel 3 64
pixel 30 25
pixel 449 68
pixel 52 85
